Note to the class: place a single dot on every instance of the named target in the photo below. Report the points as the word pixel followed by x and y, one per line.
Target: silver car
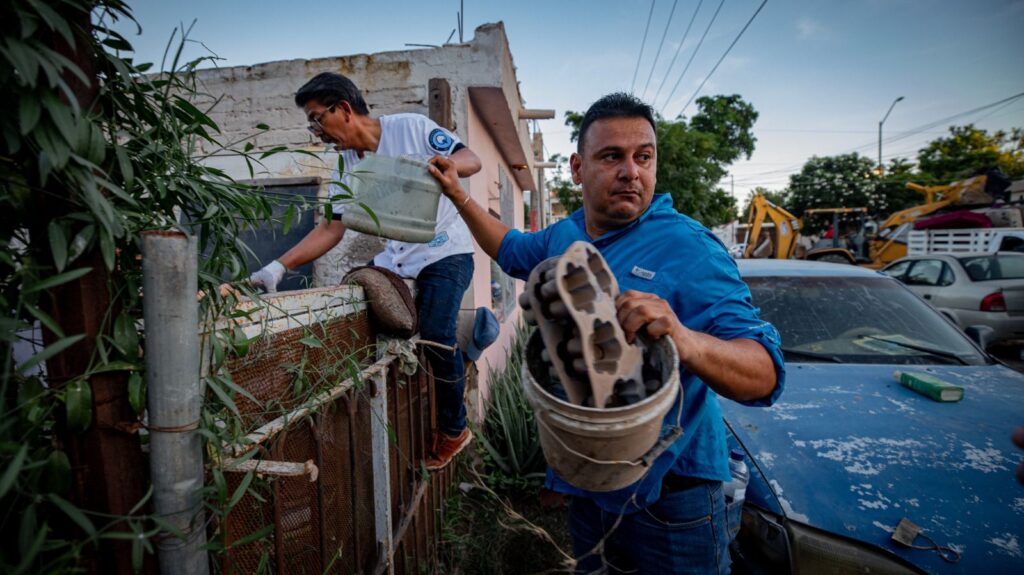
pixel 970 289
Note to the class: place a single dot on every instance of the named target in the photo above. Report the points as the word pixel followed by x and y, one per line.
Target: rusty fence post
pixel 170 306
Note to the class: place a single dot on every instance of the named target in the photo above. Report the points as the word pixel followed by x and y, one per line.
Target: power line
pixel 640 57
pixel 996 111
pixel 812 131
pixel 678 49
pixel 726 53
pixel 949 119
pixel 660 46
pixel 692 56
pixel 919 130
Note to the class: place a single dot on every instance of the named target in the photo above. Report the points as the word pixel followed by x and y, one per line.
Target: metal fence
pixel 347 491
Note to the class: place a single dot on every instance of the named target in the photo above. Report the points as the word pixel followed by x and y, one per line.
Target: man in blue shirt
pixel 678 281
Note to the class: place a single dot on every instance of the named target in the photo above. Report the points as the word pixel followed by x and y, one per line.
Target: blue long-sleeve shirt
pixel 668 254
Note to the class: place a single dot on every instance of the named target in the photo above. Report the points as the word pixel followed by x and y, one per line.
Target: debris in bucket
pixel 588 362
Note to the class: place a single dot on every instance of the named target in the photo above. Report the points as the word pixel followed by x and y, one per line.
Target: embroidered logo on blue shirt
pixel 642 273
pixel 439 240
pixel 440 140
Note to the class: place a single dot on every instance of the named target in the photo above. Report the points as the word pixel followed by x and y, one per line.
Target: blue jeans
pixel 440 286
pixel 683 532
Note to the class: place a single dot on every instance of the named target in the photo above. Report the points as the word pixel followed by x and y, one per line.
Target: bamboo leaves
pixel 78 405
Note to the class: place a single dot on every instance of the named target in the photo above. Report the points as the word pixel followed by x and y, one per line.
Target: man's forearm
pixel 487 230
pixel 738 369
pixel 317 242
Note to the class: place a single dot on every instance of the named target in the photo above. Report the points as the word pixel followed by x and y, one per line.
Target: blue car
pixel 848 453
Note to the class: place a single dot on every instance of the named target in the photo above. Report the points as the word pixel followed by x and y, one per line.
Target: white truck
pixel 981 240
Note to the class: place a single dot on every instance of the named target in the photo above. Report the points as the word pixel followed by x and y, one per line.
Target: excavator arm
pixel 786 232
pixel 937 198
pixel 970 191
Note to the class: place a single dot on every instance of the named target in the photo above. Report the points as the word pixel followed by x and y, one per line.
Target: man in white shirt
pixel 443 268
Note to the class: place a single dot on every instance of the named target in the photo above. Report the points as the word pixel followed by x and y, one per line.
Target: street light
pixel 894 102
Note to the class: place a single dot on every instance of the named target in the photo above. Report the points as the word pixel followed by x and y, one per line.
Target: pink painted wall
pixel 483 187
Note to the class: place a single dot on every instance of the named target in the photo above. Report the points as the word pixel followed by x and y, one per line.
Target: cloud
pixel 808 27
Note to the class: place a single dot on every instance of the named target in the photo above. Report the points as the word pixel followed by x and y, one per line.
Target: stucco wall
pixel 484 189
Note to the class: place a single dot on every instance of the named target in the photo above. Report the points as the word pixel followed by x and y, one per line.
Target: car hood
pixel 849 450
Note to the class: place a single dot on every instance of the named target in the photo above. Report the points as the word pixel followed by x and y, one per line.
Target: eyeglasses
pixel 314 124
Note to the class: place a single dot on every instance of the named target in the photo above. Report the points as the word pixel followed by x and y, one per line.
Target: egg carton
pixel 571 300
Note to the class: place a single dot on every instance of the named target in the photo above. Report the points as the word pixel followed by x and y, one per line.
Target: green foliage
pixel 574 120
pixel 968 149
pixel 694 155
pixel 852 180
pixel 486 533
pixel 568 193
pixel 893 186
pixel 93 151
pixel 512 455
pixel 835 181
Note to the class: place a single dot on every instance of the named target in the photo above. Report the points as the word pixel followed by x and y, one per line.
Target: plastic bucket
pixel 402 195
pixel 602 449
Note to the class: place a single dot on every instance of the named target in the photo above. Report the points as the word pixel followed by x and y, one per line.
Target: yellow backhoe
pixel 887 245
pixel 781 243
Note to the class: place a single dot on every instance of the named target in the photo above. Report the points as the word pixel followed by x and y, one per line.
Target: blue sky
pixel 821 73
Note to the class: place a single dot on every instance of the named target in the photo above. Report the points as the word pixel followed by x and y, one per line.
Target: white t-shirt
pixel 419 137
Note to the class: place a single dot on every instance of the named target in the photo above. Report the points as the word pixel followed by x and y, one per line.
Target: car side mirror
pixel 981 335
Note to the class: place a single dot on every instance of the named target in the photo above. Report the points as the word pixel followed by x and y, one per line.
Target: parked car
pixel 971 289
pixel 847 452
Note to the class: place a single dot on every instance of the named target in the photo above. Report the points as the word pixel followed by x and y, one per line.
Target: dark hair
pixel 329 88
pixel 617 105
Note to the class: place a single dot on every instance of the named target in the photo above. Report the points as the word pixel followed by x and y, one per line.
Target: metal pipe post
pixel 170 284
pixel 880 124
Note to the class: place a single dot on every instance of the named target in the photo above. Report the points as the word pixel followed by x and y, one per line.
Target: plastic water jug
pixel 736 490
pixel 401 193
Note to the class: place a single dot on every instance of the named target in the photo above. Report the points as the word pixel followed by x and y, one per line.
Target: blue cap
pixel 736 455
pixel 485 330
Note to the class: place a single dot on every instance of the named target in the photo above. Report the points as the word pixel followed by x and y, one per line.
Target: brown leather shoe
pixel 446 447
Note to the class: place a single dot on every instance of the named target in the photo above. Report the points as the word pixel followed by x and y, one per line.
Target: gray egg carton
pixel 571 300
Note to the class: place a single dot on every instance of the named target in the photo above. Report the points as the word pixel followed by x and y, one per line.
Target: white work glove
pixel 268 276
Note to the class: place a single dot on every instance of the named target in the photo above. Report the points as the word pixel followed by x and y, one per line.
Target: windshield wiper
pixel 811 355
pixel 922 348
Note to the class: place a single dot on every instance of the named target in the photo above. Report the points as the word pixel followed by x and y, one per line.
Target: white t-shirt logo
pixel 440 140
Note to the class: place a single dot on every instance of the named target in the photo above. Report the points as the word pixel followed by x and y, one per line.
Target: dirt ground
pixel 487 535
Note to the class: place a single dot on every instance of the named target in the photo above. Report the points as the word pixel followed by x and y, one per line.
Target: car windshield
pixel 994 267
pixel 858 320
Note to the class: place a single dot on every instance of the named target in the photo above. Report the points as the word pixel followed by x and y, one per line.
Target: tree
pixel 846 181
pixel 693 156
pixel 568 193
pixel 968 149
pixel 893 186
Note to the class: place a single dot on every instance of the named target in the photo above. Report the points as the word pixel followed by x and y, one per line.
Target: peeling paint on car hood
pixel 849 450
